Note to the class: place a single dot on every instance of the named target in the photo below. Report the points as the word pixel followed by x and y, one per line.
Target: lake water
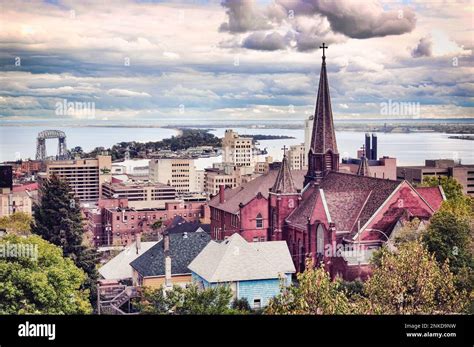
pixel 410 149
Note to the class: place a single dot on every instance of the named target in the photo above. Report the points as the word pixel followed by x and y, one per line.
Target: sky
pixel 156 60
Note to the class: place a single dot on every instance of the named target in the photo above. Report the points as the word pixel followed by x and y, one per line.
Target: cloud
pixel 265 42
pixel 424 48
pixel 309 23
pixel 366 19
pixel 243 16
pixel 126 93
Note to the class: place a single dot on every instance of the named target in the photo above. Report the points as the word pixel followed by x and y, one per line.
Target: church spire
pixel 363 169
pixel 284 182
pixel 323 154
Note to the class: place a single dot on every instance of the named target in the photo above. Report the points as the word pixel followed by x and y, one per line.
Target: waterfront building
pixel 179 173
pixel 238 150
pixel 297 156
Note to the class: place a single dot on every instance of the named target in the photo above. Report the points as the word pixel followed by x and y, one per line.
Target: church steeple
pixel 284 182
pixel 323 155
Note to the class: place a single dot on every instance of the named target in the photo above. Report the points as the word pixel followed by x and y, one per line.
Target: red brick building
pixel 334 218
pixel 113 222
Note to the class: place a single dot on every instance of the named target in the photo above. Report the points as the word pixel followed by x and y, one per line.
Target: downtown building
pixel 179 173
pixel 84 176
pixel 464 174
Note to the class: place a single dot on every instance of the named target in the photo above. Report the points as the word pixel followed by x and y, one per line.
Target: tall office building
pixel 179 173
pixel 84 176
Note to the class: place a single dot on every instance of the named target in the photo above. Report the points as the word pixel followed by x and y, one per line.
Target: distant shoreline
pixel 458 126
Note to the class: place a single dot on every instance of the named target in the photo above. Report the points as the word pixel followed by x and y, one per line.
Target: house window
pixel 257 304
pixel 259 221
pixel 255 239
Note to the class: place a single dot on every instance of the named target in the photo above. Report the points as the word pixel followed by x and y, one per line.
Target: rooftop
pixel 184 247
pixel 238 260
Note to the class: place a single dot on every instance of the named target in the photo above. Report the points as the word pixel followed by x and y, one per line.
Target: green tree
pixel 241 305
pixel 410 281
pixel 451 187
pixel 18 223
pixel 449 237
pixel 315 293
pixel 57 218
pixel 189 300
pixel 46 284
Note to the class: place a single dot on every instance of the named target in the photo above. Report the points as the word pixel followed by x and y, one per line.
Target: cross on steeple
pixel 324 47
pixel 284 150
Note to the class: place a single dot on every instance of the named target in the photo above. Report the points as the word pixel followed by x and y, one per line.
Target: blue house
pixel 254 271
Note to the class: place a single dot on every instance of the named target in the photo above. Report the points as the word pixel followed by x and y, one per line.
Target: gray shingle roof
pixel 182 251
pixel 238 260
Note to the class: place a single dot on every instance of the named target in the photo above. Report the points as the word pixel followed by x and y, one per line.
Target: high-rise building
pixel 297 157
pixel 179 173
pixel 84 176
pixel 238 150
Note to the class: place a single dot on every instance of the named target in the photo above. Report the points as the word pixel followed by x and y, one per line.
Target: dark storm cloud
pixel 423 49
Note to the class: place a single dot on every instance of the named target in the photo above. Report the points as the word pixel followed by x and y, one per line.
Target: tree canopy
pixel 410 281
pixel 315 293
pixel 18 223
pixel 188 300
pixel 46 284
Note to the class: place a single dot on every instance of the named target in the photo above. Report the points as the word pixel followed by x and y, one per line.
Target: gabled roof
pixel 238 260
pixel 183 249
pixel 118 267
pixel 348 197
pixel 434 196
pixel 188 227
pixel 247 191
pixel 284 183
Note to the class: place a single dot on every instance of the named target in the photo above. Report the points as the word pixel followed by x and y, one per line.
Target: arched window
pixel 320 240
pixel 259 221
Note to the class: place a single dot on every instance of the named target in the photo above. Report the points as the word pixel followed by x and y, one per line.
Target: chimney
pixel 221 194
pixel 374 147
pixel 166 248
pixel 367 146
pixel 138 241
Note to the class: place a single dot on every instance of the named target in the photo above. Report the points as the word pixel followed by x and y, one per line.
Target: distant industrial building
pixel 464 174
pixel 384 167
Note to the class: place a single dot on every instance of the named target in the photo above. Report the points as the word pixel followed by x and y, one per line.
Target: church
pixel 333 217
